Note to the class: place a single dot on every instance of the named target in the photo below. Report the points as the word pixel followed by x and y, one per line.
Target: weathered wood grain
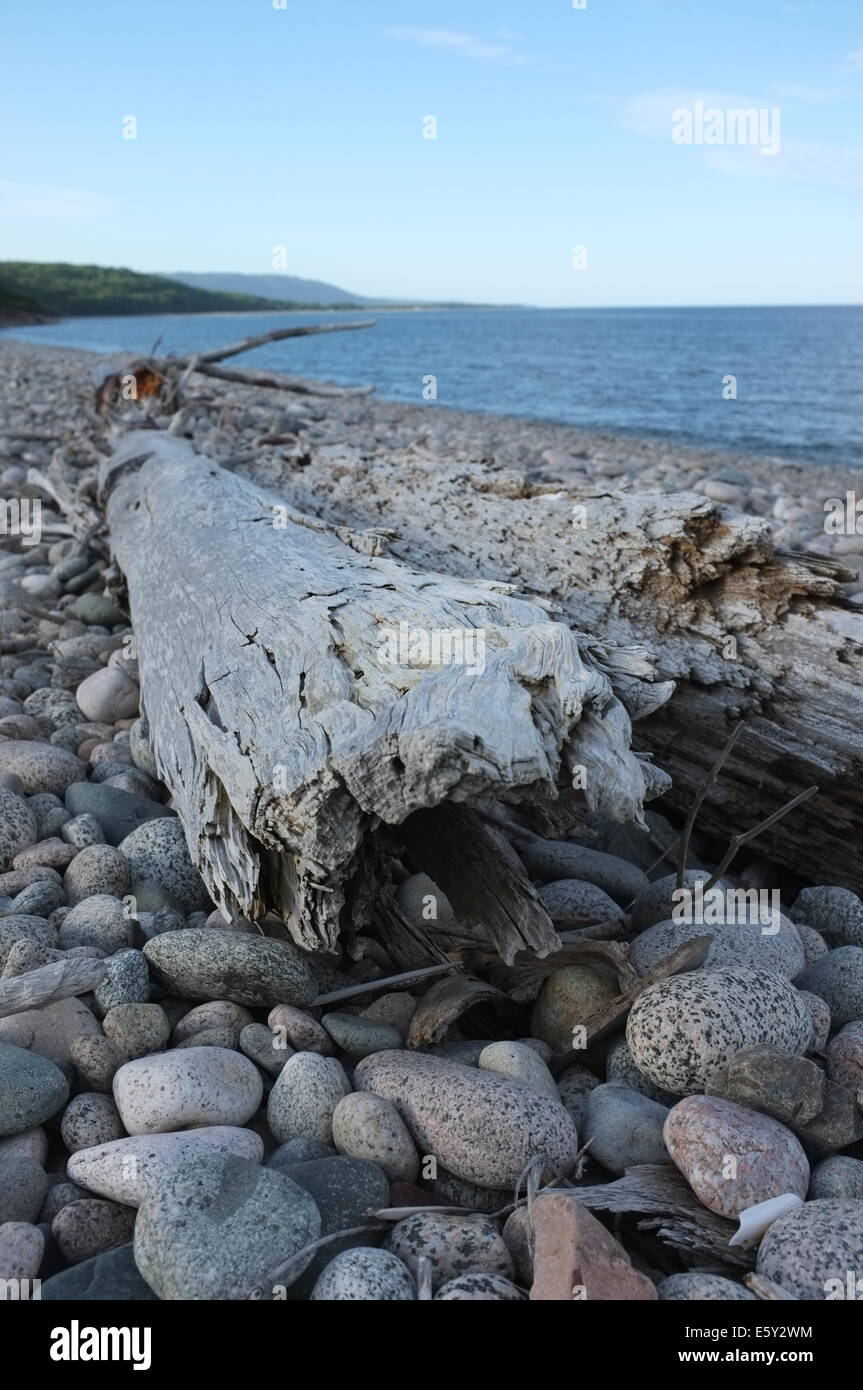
pixel 743 629
pixel 286 735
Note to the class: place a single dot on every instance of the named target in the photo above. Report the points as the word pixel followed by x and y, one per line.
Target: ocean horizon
pixel 771 380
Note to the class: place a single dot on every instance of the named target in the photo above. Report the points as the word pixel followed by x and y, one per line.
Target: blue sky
pixel 302 127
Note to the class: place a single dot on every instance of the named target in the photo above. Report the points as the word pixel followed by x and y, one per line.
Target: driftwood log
pixel 288 734
pixel 60 979
pixel 742 629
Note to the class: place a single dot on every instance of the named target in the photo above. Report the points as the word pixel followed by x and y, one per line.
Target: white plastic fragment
pixel 754 1221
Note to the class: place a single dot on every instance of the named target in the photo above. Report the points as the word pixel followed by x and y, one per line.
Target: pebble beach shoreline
pixel 193 1125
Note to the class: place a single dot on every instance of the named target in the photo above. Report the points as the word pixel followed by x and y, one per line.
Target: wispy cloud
pixel 466 45
pixel 49 200
pixel 651 112
pixel 803 161
pixel 794 92
pixel 806 161
pixel 854 61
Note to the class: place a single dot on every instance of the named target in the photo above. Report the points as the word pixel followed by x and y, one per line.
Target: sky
pixel 302 124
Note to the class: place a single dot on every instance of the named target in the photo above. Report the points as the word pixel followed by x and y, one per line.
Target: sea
pixel 782 382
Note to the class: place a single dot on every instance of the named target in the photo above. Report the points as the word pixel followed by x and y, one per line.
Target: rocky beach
pixel 193 1106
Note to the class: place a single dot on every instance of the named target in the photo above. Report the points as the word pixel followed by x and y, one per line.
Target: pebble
pixel 734 1158
pixel 82 831
pixel 24 927
pixel 130 1169
pixel 108 695
pixel 40 899
pixel 22 1246
pixel 42 767
pixel 17 826
pixel 425 905
pixel 719 491
pixel 620 1066
pixel 90 1119
pixel 59 1196
pixel 838 979
pixel 51 1029
pixel 141 748
pixel 573 1087
pixel 519 1063
pixel 364 1275
pixel 455 1192
pixel 479 1288
pixel 97 870
pixel 117 812
pixel 845 1056
pixel 553 860
pixel 50 814
pixel 569 997
pixel 304 1096
pixel 96 610
pixel 819 1014
pixel 787 1086
pixel 218 1013
pixel 360 1037
pixel 656 903
pixel 182 1088
pixel 126 981
pixel 90 1227
pixel 813 943
pixel 158 857
pixel 303 1032
pixel 576 1256
pixel 816 1243
pixel 483 1128
pixel 204 963
pixel 581 902
pixel 839 1175
pixel 17 879
pixel 455 1245
pixel 683 1029
pixel 219 1228
pixel 263 1046
pixel 702 1288
pixel 298 1151
pixel 137 1029
pixel 112 1277
pixel 53 854
pixel 224 1038
pixel 100 920
pixel 32 1089
pixel 623 1127
pixel 96 1060
pixel 345 1190
pixel 23 1184
pixel 365 1126
pixel 31 1143
pixel 834 911
pixel 396 1009
pixel 734 943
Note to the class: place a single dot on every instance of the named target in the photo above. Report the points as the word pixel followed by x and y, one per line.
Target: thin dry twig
pixel 699 800
pixel 738 841
pixel 277 334
pixel 387 982
pixel 278 1276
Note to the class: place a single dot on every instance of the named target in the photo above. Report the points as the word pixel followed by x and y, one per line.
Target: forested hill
pixel 70 291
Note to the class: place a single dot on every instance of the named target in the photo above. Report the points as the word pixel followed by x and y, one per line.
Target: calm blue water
pixel 643 371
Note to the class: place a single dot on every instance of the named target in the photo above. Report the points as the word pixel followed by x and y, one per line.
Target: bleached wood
pixel 60 979
pixel 284 738
pixel 743 629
